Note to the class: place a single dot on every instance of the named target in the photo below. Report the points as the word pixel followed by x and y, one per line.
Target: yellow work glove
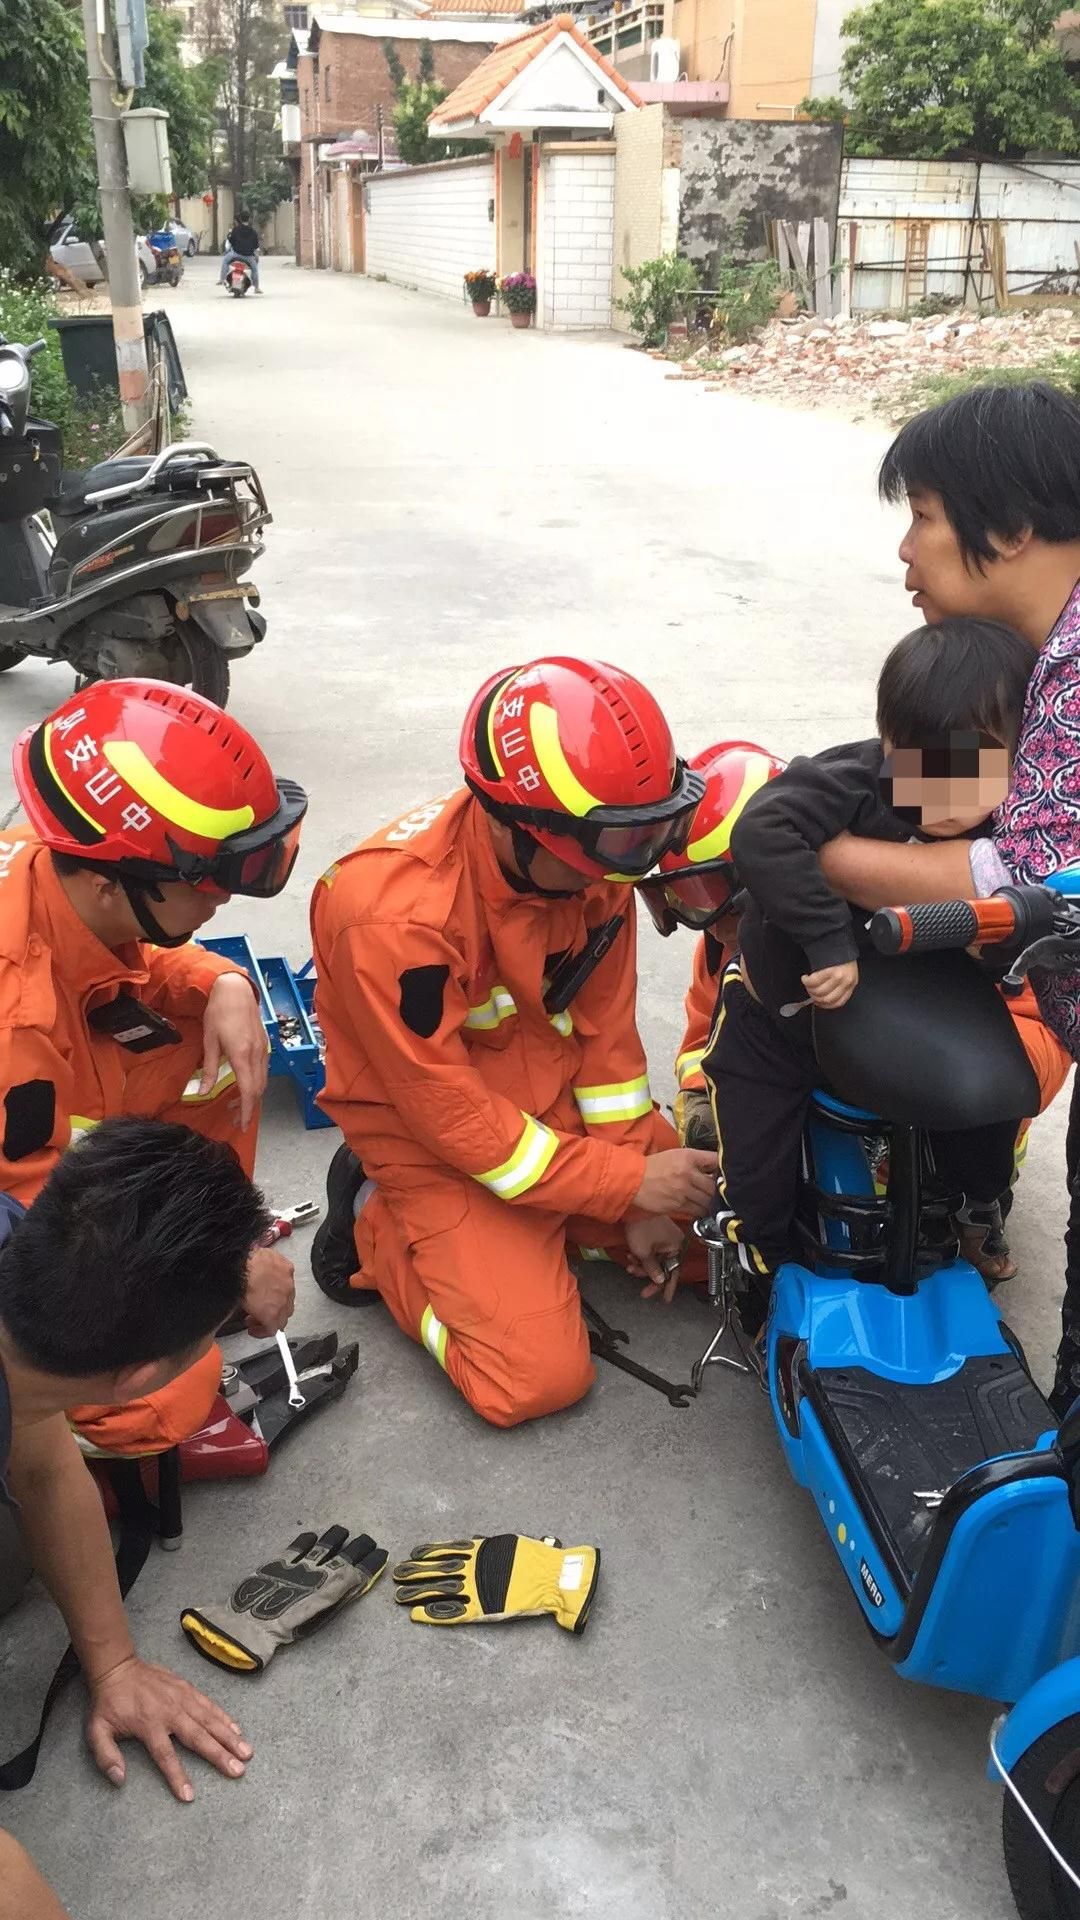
pixel 452 1582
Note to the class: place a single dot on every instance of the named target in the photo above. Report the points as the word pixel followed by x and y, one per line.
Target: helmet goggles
pixel 627 841
pixel 256 863
pixel 694 897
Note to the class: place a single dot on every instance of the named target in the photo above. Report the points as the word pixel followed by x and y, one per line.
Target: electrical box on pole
pixel 146 141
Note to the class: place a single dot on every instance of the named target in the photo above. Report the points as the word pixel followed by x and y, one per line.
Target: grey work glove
pixel 285 1599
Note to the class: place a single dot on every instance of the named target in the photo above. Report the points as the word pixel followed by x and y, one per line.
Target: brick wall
pixel 353 77
pixel 639 152
pixel 426 226
pixel 577 194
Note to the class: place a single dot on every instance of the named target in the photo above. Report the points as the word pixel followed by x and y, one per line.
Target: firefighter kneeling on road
pixel 147 807
pixel 477 984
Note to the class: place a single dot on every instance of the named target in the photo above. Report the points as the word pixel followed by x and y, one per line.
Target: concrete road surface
pixel 449 496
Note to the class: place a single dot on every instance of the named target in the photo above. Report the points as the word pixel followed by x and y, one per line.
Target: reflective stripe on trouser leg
pixel 434 1336
pixel 750 1259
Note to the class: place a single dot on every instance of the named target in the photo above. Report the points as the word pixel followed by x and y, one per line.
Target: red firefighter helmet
pixel 148 782
pixel 695 888
pixel 576 756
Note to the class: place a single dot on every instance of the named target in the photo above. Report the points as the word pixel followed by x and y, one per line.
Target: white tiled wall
pixel 427 227
pixel 576 217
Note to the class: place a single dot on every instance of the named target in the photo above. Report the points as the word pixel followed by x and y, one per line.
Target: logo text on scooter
pixel 871 1584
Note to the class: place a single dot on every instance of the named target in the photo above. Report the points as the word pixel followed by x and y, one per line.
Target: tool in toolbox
pixel 296 1397
pixel 278 1385
pixel 286 1001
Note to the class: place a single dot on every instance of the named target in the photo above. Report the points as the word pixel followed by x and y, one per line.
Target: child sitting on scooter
pixel 949 704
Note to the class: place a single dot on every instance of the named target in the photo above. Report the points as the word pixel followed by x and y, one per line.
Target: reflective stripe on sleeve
pixel 434 1336
pixel 500 1005
pixel 689 1064
pixel 624 1100
pixel 527 1164
pixel 225 1078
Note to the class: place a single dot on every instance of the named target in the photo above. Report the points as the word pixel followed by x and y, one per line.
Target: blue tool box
pixel 287 1001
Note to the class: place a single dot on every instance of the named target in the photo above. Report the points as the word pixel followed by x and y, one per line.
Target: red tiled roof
pixel 485 83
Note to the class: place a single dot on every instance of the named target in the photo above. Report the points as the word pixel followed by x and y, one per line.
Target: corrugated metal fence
pixel 978 231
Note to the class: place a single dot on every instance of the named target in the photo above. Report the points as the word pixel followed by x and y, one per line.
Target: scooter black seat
pixel 71 495
pixel 926 1041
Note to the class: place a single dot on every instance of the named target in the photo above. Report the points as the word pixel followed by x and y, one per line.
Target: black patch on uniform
pixel 422 990
pixel 29 1118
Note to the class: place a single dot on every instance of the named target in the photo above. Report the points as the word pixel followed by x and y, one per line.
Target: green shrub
pixel 657 295
pixel 89 429
pixel 746 296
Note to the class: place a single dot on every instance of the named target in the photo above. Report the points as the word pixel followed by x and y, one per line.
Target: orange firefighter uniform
pixel 493 1131
pixel 60 1075
pixel 710 958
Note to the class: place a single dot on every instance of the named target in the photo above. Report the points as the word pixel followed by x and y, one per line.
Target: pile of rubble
pixel 863 364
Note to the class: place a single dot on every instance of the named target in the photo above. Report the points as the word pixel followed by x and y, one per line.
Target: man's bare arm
pixel 877 873
pixel 68 1537
pixel 23 1893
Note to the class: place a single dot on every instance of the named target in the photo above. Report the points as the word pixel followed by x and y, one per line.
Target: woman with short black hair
pixel 992 479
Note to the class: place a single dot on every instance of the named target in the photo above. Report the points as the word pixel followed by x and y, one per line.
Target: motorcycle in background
pixel 138 568
pixel 238 277
pixel 168 265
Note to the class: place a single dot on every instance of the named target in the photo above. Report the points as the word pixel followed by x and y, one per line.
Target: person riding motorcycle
pixel 477 985
pixel 147 807
pixel 698 888
pixel 242 244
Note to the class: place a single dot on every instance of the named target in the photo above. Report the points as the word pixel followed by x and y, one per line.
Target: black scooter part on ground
pixel 264 1370
pixel 276 1418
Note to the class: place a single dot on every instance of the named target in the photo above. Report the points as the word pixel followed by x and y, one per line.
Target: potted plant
pixel 519 292
pixel 480 286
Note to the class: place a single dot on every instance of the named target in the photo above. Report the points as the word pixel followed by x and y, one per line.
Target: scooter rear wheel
pixel 1048 1778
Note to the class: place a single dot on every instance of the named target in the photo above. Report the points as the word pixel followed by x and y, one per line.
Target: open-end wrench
pixel 296 1397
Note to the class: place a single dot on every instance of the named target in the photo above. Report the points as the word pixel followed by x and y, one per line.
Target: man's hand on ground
pixel 137 1701
pixel 679 1180
pixel 648 1241
pixel 233 1029
pixel 271 1292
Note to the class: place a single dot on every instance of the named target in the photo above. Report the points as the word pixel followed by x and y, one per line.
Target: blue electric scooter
pixel 903 1401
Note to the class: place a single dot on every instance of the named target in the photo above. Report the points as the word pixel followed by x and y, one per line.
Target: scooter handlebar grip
pixel 932 927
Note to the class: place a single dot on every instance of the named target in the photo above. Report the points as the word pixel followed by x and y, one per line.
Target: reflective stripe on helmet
pixel 555 767
pixel 712 845
pixel 434 1336
pixel 688 1064
pixel 623 1100
pixel 127 759
pixel 527 1164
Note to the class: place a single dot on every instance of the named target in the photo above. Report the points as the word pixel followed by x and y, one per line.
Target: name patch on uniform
pixel 29 1118
pixel 422 991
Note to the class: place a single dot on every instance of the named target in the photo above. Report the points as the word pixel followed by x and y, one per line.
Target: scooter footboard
pixel 875 1586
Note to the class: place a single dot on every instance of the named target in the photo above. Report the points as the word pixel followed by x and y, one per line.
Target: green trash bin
pixel 89 353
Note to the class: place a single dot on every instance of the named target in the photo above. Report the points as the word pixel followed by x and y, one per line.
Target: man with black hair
pixel 242 244
pixel 992 481
pixel 112 1284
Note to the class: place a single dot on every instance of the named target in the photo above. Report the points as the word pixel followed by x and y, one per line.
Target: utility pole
pixel 117 224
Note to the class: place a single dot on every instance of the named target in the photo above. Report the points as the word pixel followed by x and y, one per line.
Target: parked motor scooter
pixel 238 276
pixel 138 569
pixel 902 1400
pixel 169 267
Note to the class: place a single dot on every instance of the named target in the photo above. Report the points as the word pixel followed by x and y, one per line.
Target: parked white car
pixel 80 258
pixel 187 241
